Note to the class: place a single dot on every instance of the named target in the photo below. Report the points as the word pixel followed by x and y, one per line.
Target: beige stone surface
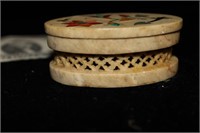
pixel 112 46
pixel 114 79
pixel 110 50
pixel 113 25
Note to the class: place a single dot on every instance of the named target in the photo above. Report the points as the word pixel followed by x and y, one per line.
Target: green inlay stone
pixel 115 24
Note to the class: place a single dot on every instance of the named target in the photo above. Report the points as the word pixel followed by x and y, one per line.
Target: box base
pixel 114 80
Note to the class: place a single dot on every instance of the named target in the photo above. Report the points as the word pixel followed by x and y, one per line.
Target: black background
pixel 32 101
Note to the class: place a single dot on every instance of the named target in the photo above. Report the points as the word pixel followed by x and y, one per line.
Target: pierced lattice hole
pixel 155 63
pixel 87 59
pixel 80 63
pixel 144 64
pixel 130 58
pixel 107 64
pixel 138 61
pixel 148 60
pixel 74 57
pixel 101 58
pixel 142 56
pixel 88 68
pixel 159 58
pixel 94 63
pixel 115 58
pixel 70 61
pixel 116 68
pixel 130 66
pixel 153 55
pixel 123 62
pixel 74 66
pixel 101 68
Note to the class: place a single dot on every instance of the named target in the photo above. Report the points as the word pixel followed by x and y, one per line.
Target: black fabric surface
pixel 32 101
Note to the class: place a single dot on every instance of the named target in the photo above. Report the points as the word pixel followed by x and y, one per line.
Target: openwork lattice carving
pixel 110 63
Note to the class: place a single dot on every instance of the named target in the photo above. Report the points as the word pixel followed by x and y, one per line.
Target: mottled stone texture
pixel 113 34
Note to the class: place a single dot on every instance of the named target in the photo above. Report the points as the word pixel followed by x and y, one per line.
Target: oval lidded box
pixel 113 49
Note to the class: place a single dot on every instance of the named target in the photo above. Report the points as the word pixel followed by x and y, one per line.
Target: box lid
pixel 113 25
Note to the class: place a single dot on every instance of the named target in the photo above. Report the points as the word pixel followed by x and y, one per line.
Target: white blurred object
pixel 15 48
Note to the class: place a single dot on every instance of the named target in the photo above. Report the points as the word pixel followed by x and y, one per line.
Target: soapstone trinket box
pixel 113 49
